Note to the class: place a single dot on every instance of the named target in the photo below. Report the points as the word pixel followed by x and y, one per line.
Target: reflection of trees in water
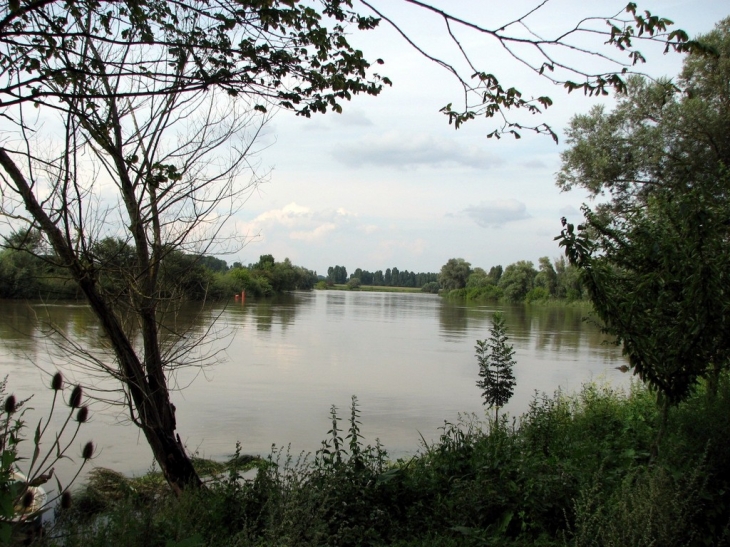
pixel 555 328
pixel 68 337
pixel 558 328
pixel 336 303
pixel 453 319
pixel 266 312
pixel 519 321
pixel 458 319
pixel 565 328
pixel 25 325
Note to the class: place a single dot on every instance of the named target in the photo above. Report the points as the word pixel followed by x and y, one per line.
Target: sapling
pixel 496 361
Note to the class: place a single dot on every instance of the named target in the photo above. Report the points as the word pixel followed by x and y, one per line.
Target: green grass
pixel 373 288
pixel 574 470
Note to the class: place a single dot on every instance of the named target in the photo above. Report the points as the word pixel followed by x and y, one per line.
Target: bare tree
pixel 170 171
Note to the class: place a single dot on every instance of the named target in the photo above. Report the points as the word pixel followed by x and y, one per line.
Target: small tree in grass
pixel 495 356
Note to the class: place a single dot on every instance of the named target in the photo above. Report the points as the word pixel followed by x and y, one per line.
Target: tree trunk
pixel 151 398
pixel 144 384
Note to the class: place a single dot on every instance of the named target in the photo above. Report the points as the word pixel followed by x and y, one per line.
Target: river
pixel 279 364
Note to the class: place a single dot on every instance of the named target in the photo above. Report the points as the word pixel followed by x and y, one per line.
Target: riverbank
pixel 573 470
pixel 369 288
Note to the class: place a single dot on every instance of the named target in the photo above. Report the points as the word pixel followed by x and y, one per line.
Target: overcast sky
pixel 390 183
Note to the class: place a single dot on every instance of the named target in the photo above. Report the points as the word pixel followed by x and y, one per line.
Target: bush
pixel 485 293
pixel 573 470
pixel 537 293
pixel 433 287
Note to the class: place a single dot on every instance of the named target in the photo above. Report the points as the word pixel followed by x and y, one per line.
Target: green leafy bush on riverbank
pixel 574 470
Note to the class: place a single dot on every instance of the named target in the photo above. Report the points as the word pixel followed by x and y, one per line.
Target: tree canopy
pixel 655 258
pixel 454 274
pixel 284 53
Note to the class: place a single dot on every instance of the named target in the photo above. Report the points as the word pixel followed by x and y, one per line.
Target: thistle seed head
pixel 10 404
pixel 83 414
pixel 88 451
pixel 75 400
pixel 57 382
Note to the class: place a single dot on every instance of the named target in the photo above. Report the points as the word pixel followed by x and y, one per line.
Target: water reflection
pixel 280 363
pixel 265 312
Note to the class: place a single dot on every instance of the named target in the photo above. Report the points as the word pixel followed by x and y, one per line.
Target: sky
pixel 390 183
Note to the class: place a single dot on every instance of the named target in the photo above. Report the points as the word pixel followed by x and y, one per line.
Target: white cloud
pixel 342 212
pixel 299 223
pixel 569 210
pixel 369 228
pixel 311 235
pixel 493 214
pixel 401 150
pixel 289 215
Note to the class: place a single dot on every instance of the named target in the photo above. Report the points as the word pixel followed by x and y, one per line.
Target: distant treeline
pixel 392 277
pixel 30 270
pixel 518 282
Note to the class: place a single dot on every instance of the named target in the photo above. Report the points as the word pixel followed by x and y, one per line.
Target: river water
pixel 279 364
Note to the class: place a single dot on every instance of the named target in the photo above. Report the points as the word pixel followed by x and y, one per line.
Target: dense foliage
pixel 27 271
pixel 392 277
pixel 572 471
pixel 655 259
pixel 518 282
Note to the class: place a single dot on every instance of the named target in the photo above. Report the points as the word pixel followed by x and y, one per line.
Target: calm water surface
pixel 409 358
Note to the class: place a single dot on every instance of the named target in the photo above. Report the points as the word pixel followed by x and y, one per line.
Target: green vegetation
pixel 574 470
pixel 364 288
pixel 28 271
pixel 496 361
pixel 655 259
pixel 518 282
pixel 392 277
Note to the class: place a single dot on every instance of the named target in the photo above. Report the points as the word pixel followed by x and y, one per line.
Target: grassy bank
pixel 580 470
pixel 372 288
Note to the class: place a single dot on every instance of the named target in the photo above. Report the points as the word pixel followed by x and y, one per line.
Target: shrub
pixel 537 293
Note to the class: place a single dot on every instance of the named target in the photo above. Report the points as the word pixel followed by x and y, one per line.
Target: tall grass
pixel 573 470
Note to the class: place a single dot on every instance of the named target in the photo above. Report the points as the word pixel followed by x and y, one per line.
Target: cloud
pixel 312 235
pixel 397 149
pixel 349 118
pixel 342 212
pixel 299 223
pixel 534 164
pixel 493 214
pixel 390 249
pixel 369 228
pixel 355 118
pixel 289 215
pixel 569 210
